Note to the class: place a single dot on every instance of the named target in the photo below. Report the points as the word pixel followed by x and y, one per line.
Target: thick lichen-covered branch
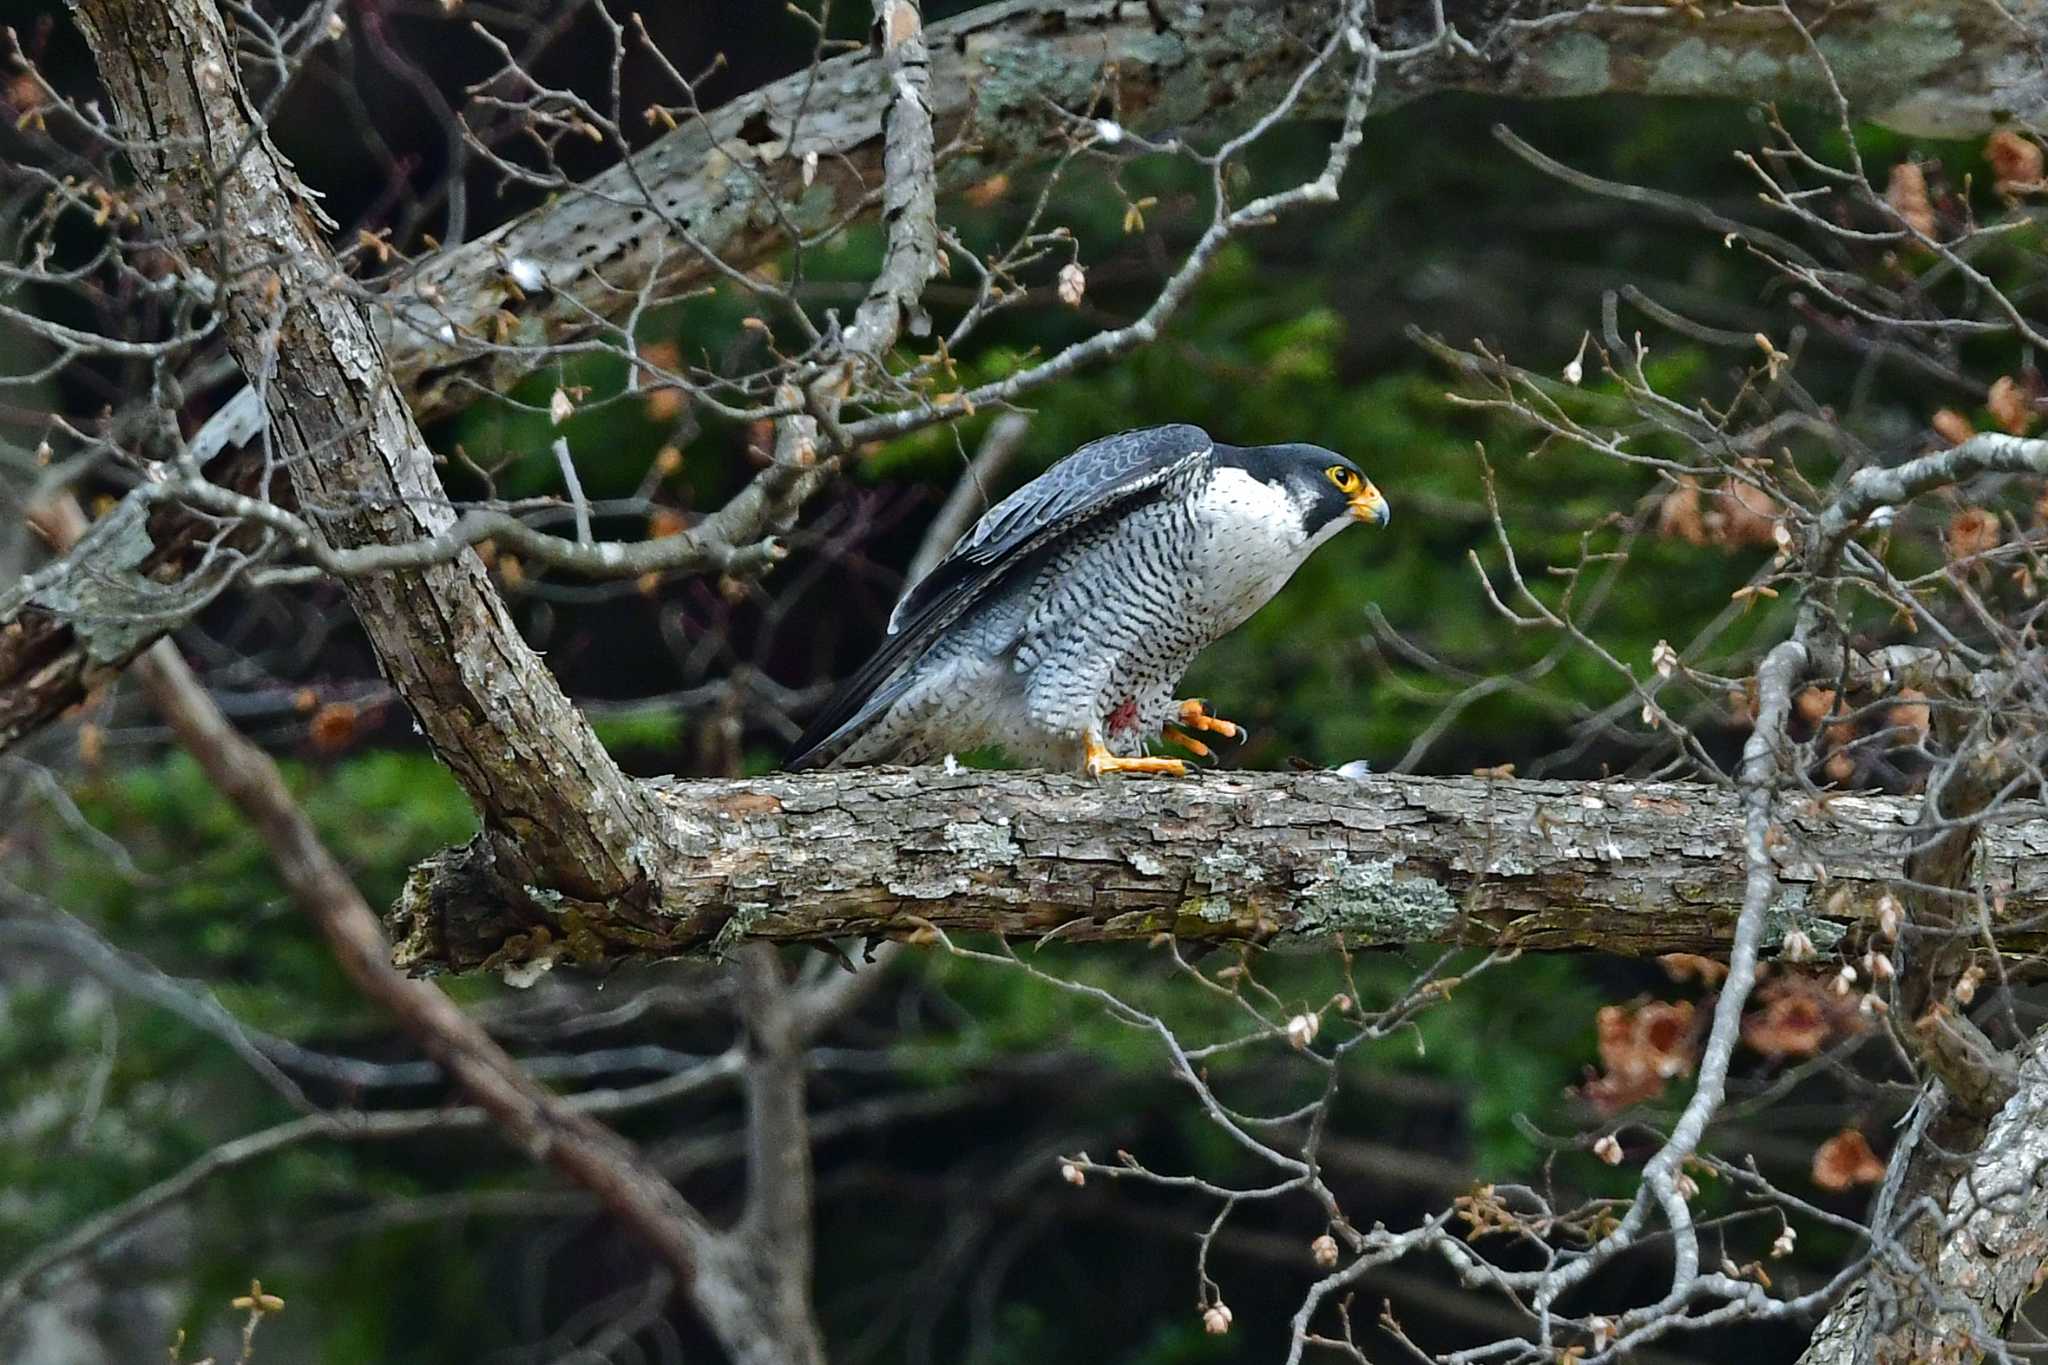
pixel 1010 83
pixel 1307 859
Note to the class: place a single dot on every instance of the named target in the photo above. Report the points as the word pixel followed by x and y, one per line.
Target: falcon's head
pixel 1324 489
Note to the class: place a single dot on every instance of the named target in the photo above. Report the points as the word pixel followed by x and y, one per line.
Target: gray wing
pixel 1100 476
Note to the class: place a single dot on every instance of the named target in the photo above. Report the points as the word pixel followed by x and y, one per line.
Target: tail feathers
pixel 824 751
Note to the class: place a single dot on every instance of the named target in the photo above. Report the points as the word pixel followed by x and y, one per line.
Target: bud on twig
pixel 1303 1028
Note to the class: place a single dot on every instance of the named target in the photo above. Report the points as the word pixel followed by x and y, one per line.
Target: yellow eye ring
pixel 1345 480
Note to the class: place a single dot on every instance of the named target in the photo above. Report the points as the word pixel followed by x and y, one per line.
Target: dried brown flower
pixel 1906 192
pixel 1846 1160
pixel 2015 161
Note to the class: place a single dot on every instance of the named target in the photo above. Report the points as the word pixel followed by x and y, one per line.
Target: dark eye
pixel 1345 480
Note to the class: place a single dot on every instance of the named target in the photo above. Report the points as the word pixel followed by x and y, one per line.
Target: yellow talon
pixel 1101 760
pixel 1185 740
pixel 1194 714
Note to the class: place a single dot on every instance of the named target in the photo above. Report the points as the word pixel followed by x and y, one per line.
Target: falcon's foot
pixel 1194 715
pixel 1175 735
pixel 1101 760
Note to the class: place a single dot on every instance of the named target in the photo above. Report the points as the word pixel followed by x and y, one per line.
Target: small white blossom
pixel 1073 1174
pixel 1073 284
pixel 1109 131
pixel 1786 1241
pixel 1216 1319
pixel 1664 659
pixel 1324 1250
pixel 561 407
pixel 1608 1149
pixel 1576 370
pixel 1798 947
pixel 1303 1028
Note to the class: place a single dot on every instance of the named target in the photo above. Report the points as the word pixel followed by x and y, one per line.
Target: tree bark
pixel 142 573
pixel 215 185
pixel 1953 1292
pixel 1013 80
pixel 1278 859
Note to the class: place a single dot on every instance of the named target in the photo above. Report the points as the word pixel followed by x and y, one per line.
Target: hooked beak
pixel 1368 506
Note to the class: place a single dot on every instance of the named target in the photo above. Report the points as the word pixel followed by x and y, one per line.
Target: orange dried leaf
pixel 665 404
pixel 1796 1019
pixel 1845 1160
pixel 1744 514
pixel 333 727
pixel 1640 1050
pixel 1678 515
pixel 1912 714
pixel 1973 531
pixel 1906 192
pixel 1953 427
pixel 2015 161
pixel 2010 405
pixel 1814 703
pixel 1687 966
pixel 986 192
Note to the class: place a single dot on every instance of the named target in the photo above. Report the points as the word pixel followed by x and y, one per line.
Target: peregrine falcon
pixel 1060 625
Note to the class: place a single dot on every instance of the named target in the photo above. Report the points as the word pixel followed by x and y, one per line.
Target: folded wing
pixel 1101 477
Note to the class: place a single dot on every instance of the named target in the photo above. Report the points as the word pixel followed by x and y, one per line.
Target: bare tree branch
pixel 489 708
pixel 1980 1253
pixel 533 1118
pixel 1017 74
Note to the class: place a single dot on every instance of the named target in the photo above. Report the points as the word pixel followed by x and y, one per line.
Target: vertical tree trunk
pixel 212 181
